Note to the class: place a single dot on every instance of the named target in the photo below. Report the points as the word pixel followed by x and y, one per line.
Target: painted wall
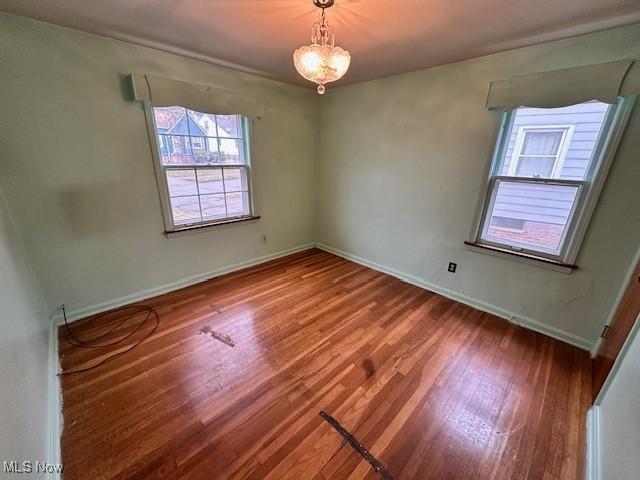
pixel 77 166
pixel 400 165
pixel 620 418
pixel 24 354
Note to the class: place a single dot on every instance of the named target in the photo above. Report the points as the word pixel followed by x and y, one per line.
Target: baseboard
pixel 596 346
pixel 169 287
pixel 592 466
pixel 54 404
pixel 512 317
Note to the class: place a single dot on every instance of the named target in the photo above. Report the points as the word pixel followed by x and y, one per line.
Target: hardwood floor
pixel 433 388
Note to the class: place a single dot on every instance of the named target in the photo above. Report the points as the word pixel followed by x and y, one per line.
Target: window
pixel 547 169
pixel 541 151
pixel 203 167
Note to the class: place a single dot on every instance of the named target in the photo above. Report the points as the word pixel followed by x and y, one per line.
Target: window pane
pixel 213 206
pixel 535 167
pixel 541 210
pixel 230 151
pixel 228 126
pixel 167 117
pixel 235 180
pixel 185 209
pixel 238 203
pixel 210 180
pixel 541 129
pixel 181 182
pixel 541 142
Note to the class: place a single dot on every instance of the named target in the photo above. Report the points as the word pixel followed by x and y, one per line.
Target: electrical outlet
pixel 452 267
pixel 264 238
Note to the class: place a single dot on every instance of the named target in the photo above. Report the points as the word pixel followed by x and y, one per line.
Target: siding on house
pixel 535 203
pixel 548 204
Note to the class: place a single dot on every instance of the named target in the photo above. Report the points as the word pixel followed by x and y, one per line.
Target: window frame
pixel 560 156
pixel 171 227
pixel 589 189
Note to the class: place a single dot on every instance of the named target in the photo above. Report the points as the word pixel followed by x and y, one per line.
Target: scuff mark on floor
pixel 357 446
pixel 221 337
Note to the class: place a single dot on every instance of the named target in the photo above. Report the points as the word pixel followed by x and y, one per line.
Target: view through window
pixel 545 167
pixel 204 163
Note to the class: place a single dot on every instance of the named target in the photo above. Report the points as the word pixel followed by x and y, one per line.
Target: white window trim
pixel 606 147
pixel 172 229
pixel 561 155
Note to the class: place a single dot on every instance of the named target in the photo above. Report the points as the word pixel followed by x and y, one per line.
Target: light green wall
pixel 400 165
pixel 77 168
pixel 24 353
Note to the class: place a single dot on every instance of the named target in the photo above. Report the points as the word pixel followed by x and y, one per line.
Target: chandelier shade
pixel 321 62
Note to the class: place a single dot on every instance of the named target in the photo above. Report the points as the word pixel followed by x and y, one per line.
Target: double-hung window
pixel 203 167
pixel 548 167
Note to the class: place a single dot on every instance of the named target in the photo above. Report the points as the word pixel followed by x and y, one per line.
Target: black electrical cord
pixel 76 341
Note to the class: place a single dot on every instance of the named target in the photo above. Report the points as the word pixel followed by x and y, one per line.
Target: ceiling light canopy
pixel 322 62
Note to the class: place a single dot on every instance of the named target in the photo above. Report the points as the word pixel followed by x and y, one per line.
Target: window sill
pixel 521 257
pixel 179 232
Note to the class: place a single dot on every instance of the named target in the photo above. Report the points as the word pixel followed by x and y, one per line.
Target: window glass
pixel 541 222
pixel 542 142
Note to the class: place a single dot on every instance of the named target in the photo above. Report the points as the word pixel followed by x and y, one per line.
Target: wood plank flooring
pixel 433 388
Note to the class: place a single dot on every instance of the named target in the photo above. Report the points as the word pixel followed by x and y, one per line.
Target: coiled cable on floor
pixel 98 341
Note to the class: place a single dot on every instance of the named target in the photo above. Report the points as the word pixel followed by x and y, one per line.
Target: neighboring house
pixel 183 137
pixel 544 143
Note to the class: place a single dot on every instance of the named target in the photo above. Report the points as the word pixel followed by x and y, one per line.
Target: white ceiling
pixel 384 36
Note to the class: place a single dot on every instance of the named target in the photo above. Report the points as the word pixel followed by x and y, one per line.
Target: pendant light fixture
pixel 321 62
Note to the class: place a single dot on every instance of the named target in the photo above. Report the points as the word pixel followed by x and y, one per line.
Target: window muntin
pixel 546 164
pixel 204 166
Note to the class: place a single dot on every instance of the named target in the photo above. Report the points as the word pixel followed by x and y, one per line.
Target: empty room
pixel 320 239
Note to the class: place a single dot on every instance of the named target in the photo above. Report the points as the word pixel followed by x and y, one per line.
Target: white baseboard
pixel 54 404
pixel 596 346
pixel 512 317
pixel 593 444
pixel 169 287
